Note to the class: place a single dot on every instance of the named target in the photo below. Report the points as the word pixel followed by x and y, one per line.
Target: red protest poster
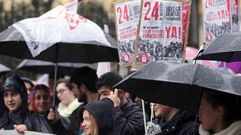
pixel 219 16
pixel 127 14
pixel 161 31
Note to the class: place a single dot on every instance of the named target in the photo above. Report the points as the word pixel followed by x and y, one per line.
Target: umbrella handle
pixel 199 52
pixel 144 114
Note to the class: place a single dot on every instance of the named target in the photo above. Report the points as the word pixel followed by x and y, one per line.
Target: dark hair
pixel 86 76
pixel 34 91
pixel 231 104
pixel 108 80
pixel 15 83
pixel 40 87
pixel 27 80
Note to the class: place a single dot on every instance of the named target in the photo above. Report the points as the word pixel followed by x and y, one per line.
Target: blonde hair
pixel 94 124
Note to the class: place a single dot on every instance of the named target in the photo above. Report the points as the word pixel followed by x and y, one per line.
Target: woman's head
pixel 163 111
pixel 40 98
pixel 89 124
pixel 14 94
pixel 218 110
pixel 99 115
pixel 64 92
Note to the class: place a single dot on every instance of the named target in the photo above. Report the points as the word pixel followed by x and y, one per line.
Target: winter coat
pixel 183 123
pixel 76 119
pixel 69 125
pixel 21 115
pixel 232 129
pixel 102 110
pixel 128 119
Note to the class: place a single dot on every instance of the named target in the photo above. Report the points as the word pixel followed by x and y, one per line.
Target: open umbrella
pixel 226 47
pixel 4 69
pixel 60 35
pixel 177 85
pixel 38 66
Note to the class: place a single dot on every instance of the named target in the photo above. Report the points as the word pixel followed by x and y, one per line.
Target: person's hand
pixel 115 98
pixel 20 128
pixel 52 115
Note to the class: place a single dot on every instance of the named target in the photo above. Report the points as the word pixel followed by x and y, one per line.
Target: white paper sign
pixel 161 33
pixel 14 132
pixel 127 17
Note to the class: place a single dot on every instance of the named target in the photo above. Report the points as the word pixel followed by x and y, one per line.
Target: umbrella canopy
pixel 4 68
pixel 58 36
pixel 42 67
pixel 177 85
pixel 226 47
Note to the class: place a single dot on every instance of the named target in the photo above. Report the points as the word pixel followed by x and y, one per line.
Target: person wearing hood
pixel 16 115
pixel 98 117
pixel 219 114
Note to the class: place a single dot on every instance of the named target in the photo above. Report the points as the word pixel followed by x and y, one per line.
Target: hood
pixel 102 110
pixel 15 83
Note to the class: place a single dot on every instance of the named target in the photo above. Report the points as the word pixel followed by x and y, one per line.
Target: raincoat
pixel 33 121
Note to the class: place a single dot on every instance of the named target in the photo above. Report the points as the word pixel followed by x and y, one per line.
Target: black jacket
pixel 183 123
pixel 128 119
pixel 21 115
pixel 76 118
pixel 33 121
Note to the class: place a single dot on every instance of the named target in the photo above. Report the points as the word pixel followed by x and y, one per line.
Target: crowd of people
pixel 88 105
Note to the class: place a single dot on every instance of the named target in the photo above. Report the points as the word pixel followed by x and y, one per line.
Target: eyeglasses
pixel 60 91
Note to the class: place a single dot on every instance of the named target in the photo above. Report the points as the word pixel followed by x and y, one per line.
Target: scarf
pixel 232 129
pixel 66 111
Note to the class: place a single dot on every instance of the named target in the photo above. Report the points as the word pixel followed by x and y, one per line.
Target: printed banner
pixel 161 32
pixel 216 18
pixel 14 132
pixel 127 17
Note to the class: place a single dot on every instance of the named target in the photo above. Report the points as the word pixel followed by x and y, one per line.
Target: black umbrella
pixel 177 85
pixel 65 37
pixel 226 47
pixel 38 66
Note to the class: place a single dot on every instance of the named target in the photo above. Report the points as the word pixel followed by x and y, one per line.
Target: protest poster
pixel 127 14
pixel 161 32
pixel 14 132
pixel 235 15
pixel 219 16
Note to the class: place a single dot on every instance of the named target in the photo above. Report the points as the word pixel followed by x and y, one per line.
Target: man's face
pixel 12 100
pixel 76 90
pixel 104 92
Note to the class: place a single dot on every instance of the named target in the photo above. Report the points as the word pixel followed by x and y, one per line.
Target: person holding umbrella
pixel 17 116
pixel 219 114
pixel 66 110
pixel 173 121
